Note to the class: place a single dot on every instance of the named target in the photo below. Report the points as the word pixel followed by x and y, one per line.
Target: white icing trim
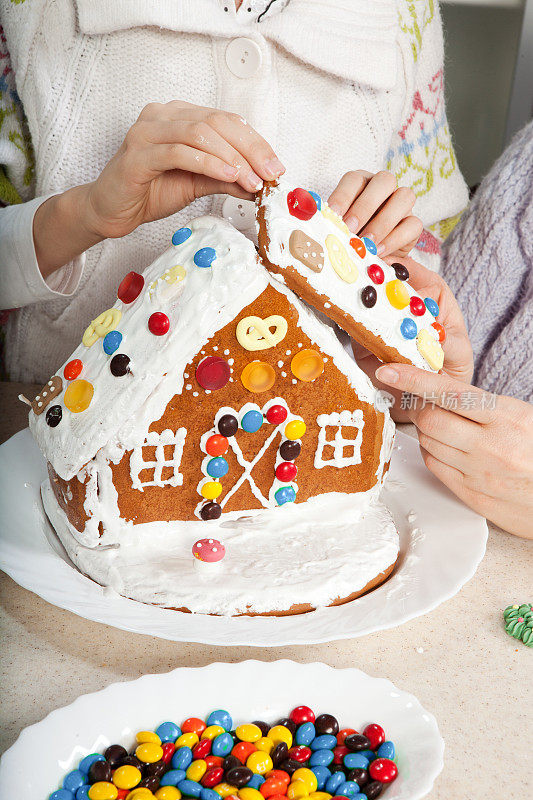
pixel 352 419
pixel 158 440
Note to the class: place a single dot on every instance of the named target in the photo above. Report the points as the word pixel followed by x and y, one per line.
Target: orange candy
pixel 307 365
pixel 78 396
pixel 358 246
pixel 243 751
pixel 440 330
pixel 273 786
pixel 279 774
pixel 258 376
pixel 194 724
pixel 73 369
pixel 341 736
pixel 216 445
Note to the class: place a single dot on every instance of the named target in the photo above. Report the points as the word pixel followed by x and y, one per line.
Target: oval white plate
pixel 249 690
pixel 440 549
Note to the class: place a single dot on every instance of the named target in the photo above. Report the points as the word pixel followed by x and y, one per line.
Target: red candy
pixel 123 793
pixel 301 204
pixel 341 736
pixel 286 471
pixel 130 287
pixel 159 323
pixel 302 714
pixel 73 369
pixel 300 753
pixel 194 725
pixel 440 330
pixel 375 734
pixel 216 445
pixel 359 246
pixel 272 787
pixel 339 753
pixel 376 274
pixel 202 749
pixel 276 415
pixel 384 770
pixel 212 777
pixel 279 774
pixel 168 751
pixel 213 761
pixel 417 306
pixel 213 373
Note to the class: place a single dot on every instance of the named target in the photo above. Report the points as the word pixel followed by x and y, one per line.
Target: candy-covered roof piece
pixel 304 241
pixel 132 358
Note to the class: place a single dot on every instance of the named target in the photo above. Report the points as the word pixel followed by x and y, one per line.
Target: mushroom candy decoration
pixel 208 555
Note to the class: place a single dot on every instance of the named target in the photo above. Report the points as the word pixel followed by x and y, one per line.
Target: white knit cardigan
pixel 343 84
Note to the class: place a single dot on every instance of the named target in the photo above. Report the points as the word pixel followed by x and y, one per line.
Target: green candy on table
pixel 519 622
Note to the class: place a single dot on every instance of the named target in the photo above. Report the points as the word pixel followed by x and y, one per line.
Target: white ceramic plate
pixel 249 690
pixel 441 545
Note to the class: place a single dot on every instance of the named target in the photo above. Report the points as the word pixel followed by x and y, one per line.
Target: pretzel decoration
pixel 47 393
pixel 99 327
pixel 254 333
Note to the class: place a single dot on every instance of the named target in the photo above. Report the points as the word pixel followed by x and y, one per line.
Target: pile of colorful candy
pixel 299 757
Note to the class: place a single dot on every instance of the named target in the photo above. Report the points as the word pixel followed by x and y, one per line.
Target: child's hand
pixel 174 153
pixel 372 205
pixel 458 358
pixel 479 445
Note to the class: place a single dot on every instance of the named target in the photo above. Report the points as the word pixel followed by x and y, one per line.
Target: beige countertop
pixel 457 660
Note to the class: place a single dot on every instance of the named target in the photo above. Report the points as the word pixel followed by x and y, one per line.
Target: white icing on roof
pixel 205 301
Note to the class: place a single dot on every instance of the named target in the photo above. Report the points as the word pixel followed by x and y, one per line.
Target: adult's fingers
pixel 452 456
pixel 162 157
pixel 204 186
pixel 377 191
pixel 250 144
pixel 390 214
pixel 465 400
pixel 440 424
pixel 348 188
pixel 402 238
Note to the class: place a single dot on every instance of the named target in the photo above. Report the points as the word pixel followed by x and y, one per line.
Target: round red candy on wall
pixel 302 714
pixel 417 306
pixel 216 445
pixel 72 369
pixel 286 471
pixel 213 373
pixel 130 287
pixel 440 330
pixel 384 770
pixel 276 414
pixel 301 204
pixel 375 273
pixel 158 324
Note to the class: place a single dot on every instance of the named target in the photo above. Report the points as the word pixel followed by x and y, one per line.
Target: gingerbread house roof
pixel 132 359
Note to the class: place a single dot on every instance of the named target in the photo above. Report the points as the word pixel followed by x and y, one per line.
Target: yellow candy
pixel 297 789
pixel 248 733
pixel 170 793
pixel 307 776
pixel 341 262
pixel 333 217
pixel 149 752
pixel 247 793
pixel 147 736
pixel 225 789
pixel 189 739
pixel 293 430
pixel 307 365
pixel 78 395
pixel 127 777
pixel 320 796
pixel 210 490
pixel 170 276
pixel 258 376
pixel 259 762
pixel 212 731
pixel 103 791
pixel 265 744
pixel 279 733
pixel 196 770
pixel 99 327
pixel 397 294
pixel 142 793
pixel 430 349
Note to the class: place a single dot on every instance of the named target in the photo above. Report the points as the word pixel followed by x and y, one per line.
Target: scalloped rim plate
pixel 249 690
pixel 440 550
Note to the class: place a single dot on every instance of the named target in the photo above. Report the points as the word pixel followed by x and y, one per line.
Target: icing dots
pixel 204 257
pixel 100 327
pixel 254 333
pixel 258 376
pixel 78 395
pixel 430 349
pixel 306 250
pixel 301 204
pixel 340 260
pixel 307 365
pixel 213 373
pixel 130 287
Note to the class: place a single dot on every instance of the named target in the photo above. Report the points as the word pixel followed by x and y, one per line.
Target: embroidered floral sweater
pixel 340 85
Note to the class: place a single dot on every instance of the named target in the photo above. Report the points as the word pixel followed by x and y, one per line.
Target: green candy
pixel 519 622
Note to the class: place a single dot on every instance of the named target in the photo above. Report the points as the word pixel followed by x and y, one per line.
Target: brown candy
pixel 47 393
pixel 306 250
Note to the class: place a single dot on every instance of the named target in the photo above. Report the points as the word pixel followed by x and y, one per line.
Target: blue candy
pixel 431 306
pixel 190 788
pixel 173 777
pixel 61 794
pixel 368 754
pixel 321 758
pixel 286 495
pixel 220 717
pixel 255 782
pixel 325 742
pixel 204 257
pixel 359 796
pixel 305 732
pixel 370 245
pixel 222 745
pixel 316 197
pixel 387 750
pixel 353 760
pixel 182 758
pixel 217 467
pixel 168 732
pixel 408 328
pixel 321 773
pixel 74 780
pixel 348 789
pixel 209 794
pixel 181 235
pixel 333 783
pixel 111 342
pixel 87 762
pixel 83 792
pixel 251 422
